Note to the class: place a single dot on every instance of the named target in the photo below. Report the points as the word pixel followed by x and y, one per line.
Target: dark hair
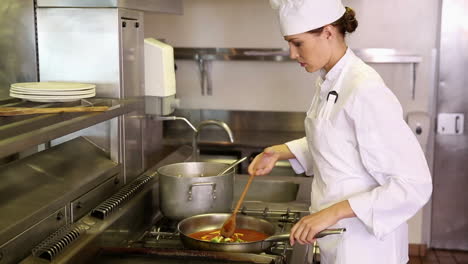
pixel 346 24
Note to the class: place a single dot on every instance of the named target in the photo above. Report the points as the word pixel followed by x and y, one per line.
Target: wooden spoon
pixel 229 226
pixel 13 111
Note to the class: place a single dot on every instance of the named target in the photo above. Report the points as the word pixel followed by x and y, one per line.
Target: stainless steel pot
pixel 215 221
pixel 189 188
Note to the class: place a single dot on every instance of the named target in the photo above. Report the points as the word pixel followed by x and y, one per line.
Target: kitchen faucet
pixel 196 151
pixel 178 118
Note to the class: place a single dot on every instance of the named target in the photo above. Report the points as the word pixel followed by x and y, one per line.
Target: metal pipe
pixel 178 118
pixel 202 124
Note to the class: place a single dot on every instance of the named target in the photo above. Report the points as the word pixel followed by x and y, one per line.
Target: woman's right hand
pixel 264 162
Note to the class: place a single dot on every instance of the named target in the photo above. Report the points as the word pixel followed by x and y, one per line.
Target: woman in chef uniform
pixel 370 174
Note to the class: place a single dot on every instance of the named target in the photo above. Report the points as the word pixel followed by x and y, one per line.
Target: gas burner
pixel 165 225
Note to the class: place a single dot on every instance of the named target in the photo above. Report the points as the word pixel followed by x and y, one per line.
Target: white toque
pixel 299 16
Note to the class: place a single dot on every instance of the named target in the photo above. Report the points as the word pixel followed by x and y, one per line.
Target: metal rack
pixel 205 55
pixel 372 55
pixel 20 133
pixel 43 191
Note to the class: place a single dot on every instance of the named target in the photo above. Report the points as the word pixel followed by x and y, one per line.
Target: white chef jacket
pixel 368 155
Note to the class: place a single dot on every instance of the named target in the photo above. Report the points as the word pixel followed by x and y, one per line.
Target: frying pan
pixel 213 221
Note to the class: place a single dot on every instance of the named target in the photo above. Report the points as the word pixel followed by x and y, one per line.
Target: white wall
pixel 409 25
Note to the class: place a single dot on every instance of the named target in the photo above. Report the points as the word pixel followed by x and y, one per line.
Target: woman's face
pixel 311 50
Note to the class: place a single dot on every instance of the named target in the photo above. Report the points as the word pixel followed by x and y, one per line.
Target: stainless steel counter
pixel 271 189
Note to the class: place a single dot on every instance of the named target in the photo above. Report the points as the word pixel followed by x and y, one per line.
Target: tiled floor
pixel 436 256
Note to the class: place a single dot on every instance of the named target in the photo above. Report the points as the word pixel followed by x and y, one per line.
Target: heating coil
pixel 55 243
pixel 105 208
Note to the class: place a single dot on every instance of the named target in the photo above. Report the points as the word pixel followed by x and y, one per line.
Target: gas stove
pixel 161 243
pixel 128 227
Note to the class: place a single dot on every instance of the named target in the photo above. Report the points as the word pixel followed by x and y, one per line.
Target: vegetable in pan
pixel 240 236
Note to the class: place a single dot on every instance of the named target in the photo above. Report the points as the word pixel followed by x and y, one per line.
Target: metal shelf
pixel 20 133
pixel 205 55
pixel 280 55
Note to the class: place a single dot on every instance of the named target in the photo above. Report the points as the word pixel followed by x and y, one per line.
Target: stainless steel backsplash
pixel 242 120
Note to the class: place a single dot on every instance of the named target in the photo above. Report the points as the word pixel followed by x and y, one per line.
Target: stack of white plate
pixel 52 91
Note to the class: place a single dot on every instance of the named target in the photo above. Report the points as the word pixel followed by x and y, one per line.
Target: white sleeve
pixel 392 155
pixel 303 161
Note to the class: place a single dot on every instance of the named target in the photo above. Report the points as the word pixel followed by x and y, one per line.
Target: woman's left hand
pixel 305 230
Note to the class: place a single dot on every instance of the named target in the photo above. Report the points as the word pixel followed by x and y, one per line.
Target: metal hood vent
pixel 56 242
pixel 109 205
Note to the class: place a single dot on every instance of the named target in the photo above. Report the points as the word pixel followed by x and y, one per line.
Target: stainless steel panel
pixel 17 43
pixel 450 210
pixel 84 204
pixel 165 6
pixel 97 134
pixel 131 59
pixel 90 45
pixel 267 191
pixel 80 45
pixel 34 187
pixel 20 247
pixel 152 141
pixel 131 34
pixel 242 120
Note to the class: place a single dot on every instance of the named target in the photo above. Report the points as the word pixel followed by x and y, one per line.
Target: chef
pixel 370 174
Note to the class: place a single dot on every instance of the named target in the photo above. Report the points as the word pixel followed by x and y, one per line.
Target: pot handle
pixel 213 191
pixel 326 232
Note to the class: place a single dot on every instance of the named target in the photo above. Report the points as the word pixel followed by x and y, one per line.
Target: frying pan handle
pixel 334 231
pixel 277 238
pixel 326 232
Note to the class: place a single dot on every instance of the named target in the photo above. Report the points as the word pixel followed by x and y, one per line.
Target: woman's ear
pixel 328 31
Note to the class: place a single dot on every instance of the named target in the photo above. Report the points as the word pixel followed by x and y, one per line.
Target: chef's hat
pixel 299 16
